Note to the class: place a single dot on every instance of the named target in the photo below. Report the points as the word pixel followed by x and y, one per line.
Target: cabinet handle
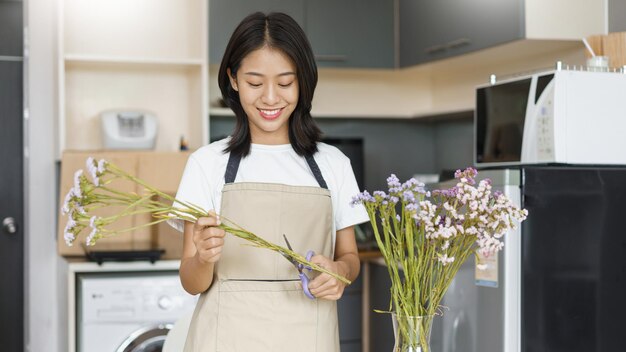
pixel 9 225
pixel 331 58
pixel 435 49
pixel 458 42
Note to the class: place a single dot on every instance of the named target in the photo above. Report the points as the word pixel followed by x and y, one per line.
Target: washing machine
pixel 128 311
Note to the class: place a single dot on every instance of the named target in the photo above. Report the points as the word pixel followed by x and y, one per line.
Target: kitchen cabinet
pixel 436 29
pixel 349 311
pixel 351 33
pixel 144 54
pixel 11 24
pixel 381 337
pixel 225 15
pixel 343 33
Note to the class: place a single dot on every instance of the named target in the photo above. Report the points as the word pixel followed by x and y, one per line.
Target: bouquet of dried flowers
pixel 88 195
pixel 425 237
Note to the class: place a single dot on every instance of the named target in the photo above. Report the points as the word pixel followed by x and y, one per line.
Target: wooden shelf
pixel 77 59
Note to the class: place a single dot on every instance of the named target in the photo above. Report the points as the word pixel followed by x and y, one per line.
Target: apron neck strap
pixel 316 171
pixel 233 166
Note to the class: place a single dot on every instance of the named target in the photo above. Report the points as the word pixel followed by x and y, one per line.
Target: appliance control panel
pixel 545 131
pixel 132 298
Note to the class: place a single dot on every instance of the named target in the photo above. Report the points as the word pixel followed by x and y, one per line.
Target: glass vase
pixel 412 333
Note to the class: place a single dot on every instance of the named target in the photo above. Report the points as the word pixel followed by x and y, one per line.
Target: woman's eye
pixel 254 85
pixel 285 85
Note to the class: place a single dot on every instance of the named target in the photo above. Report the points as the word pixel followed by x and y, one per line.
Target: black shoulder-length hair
pixel 277 31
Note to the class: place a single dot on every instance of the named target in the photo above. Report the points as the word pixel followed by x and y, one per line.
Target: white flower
pixel 443 258
pixel 101 166
pixel 69 238
pixel 445 246
pixel 91 239
pixel 92 221
pixel 66 203
pixel 77 189
pixel 92 167
pixel 68 234
pixel 96 169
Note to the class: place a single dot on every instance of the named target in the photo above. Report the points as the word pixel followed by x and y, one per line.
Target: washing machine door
pixel 146 339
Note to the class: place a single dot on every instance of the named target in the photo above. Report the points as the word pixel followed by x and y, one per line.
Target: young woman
pixel 274 178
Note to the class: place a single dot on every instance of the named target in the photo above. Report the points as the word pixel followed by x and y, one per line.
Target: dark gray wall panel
pixel 11 23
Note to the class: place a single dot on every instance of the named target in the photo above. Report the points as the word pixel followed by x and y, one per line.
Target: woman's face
pixel 268 91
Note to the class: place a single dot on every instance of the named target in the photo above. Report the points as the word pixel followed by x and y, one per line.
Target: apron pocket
pixel 265 316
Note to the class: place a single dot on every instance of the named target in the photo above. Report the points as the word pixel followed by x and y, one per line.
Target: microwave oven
pixel 559 116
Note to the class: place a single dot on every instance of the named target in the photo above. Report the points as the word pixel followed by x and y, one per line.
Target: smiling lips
pixel 270 114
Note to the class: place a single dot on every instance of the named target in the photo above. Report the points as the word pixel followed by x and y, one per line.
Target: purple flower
pixel 362 198
pixel 411 207
pixel 469 174
pixel 393 182
pixel 380 194
pixel 408 196
pixel 450 193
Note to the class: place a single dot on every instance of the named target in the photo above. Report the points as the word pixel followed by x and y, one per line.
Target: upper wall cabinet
pixel 225 15
pixel 11 24
pixel 343 33
pixel 436 29
pixel 351 33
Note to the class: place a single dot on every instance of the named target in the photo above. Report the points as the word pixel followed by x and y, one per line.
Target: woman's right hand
pixel 208 238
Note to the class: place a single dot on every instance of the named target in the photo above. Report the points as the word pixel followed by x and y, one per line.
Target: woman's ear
pixel 233 80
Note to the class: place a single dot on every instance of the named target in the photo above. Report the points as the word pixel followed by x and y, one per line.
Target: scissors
pixel 303 277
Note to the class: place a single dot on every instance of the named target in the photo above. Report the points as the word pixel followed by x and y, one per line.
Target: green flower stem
pixel 237 231
pixel 124 174
pixel 143 204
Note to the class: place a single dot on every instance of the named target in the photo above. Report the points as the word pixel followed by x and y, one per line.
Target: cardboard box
pixel 161 170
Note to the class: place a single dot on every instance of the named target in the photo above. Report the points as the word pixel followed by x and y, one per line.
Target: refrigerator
pixel 559 284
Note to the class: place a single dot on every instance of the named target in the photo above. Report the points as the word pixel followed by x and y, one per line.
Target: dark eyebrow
pixel 262 75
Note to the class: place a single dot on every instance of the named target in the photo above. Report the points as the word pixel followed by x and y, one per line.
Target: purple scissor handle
pixel 301 267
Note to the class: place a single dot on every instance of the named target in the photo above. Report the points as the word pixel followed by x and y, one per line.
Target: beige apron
pixel 256 302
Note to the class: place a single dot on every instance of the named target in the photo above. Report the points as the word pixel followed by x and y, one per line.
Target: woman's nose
pixel 270 96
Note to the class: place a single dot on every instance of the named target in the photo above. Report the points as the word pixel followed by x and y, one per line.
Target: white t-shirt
pixel 203 178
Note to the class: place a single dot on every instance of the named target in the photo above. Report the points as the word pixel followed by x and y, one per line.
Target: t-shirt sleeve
pixel 347 214
pixel 194 188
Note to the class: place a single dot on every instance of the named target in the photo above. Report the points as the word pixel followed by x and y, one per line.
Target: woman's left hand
pixel 325 286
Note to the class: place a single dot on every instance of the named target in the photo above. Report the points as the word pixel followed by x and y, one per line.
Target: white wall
pixel 46 298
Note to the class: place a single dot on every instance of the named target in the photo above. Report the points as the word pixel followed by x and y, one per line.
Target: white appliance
pixel 560 116
pixel 129 129
pixel 126 310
